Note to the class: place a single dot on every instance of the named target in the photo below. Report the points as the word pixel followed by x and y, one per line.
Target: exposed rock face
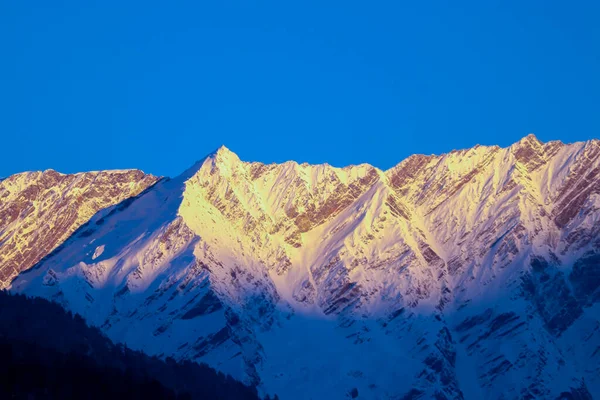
pixel 470 275
pixel 40 210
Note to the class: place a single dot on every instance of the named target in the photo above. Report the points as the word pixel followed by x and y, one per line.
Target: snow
pixel 98 252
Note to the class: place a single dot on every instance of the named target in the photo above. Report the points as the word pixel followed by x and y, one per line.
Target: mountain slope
pixel 467 275
pixel 40 210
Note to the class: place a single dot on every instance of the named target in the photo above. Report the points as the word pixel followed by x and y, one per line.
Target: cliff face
pixel 472 274
pixel 40 210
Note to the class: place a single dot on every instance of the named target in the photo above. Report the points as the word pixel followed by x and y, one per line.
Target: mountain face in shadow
pixel 468 275
pixel 49 353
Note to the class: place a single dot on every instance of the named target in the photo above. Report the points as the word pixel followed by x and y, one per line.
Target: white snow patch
pixel 98 252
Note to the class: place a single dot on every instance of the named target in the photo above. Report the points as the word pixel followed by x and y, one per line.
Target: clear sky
pixel 88 85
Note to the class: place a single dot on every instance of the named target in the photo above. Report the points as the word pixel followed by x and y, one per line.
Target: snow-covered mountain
pixel 474 274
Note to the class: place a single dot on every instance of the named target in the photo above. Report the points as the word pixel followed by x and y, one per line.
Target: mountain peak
pixel 224 155
pixel 223 150
pixel 530 140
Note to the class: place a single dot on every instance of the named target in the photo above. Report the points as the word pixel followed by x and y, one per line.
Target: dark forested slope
pixel 49 353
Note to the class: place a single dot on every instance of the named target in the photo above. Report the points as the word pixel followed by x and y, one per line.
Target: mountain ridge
pixel 226 149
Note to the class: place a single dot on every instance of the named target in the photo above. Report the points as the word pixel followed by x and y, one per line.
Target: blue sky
pixel 158 85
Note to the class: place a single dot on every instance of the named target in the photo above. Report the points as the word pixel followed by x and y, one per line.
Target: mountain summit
pixel 472 274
